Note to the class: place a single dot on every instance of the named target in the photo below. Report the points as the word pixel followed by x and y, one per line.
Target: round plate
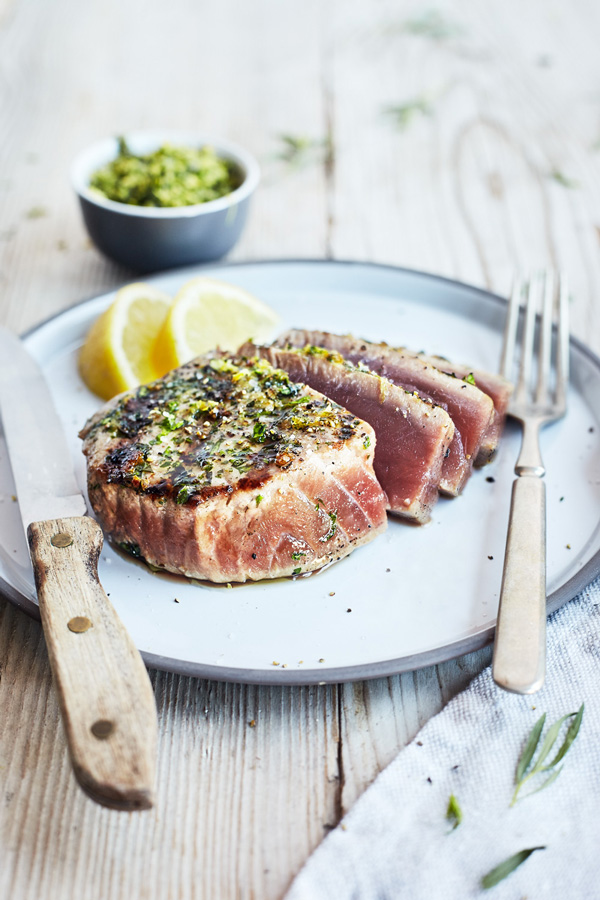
pixel 412 597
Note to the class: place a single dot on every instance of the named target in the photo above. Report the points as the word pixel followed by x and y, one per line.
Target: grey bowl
pixel 148 239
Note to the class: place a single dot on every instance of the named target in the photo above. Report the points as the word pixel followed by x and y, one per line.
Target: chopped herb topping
pixel 132 549
pixel 332 527
pixel 259 432
pixel 171 176
pixel 470 379
pixel 214 423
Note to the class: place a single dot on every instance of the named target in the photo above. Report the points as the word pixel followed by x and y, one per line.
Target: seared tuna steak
pixel 470 409
pixel 226 470
pixel 413 436
pixel 495 386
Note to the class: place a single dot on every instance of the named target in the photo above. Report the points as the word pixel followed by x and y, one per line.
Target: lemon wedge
pixel 206 314
pixel 117 353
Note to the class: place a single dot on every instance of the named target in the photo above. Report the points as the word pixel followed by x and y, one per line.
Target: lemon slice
pixel 117 353
pixel 206 314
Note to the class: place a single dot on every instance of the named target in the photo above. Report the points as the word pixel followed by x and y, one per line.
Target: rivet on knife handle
pixel 105 695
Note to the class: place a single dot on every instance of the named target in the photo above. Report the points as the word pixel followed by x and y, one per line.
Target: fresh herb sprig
pixel 298 150
pixel 433 24
pixel 500 872
pixel 523 771
pixel 564 180
pixel 402 114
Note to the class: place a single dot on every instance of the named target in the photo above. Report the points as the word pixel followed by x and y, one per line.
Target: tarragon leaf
pixel 550 740
pixel 433 24
pixel 529 748
pixel 548 781
pixel 404 113
pixel 522 774
pixel 570 736
pixel 454 812
pixel 505 868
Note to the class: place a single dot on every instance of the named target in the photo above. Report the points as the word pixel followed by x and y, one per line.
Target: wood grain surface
pixel 464 142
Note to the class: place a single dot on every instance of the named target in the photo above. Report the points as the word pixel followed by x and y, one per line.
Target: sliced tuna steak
pixel 496 387
pixel 226 470
pixel 470 409
pixel 413 436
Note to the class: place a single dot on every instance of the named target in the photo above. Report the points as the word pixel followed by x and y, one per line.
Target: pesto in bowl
pixel 169 176
pixel 151 201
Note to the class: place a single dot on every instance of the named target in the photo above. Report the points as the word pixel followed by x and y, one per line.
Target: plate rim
pixel 362 671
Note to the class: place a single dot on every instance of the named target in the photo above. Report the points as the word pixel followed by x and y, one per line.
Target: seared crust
pixel 413 436
pixel 471 409
pixel 226 470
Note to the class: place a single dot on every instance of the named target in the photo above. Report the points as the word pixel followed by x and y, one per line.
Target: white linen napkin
pixel 396 841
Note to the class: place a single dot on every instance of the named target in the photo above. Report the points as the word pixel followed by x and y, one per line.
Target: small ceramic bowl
pixel 151 238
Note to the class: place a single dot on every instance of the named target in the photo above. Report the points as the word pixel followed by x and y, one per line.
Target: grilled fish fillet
pixel 495 386
pixel 471 410
pixel 413 436
pixel 226 470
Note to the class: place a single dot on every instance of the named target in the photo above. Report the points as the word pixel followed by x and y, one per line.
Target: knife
pixel 106 699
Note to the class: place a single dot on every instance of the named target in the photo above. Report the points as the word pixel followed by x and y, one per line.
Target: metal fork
pixel 519 661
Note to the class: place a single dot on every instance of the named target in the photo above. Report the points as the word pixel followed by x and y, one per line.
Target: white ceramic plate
pixel 412 597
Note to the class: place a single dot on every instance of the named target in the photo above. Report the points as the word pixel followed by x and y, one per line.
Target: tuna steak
pixel 226 470
pixel 495 386
pixel 413 436
pixel 471 410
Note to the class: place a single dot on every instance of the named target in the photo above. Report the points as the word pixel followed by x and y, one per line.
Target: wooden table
pixel 465 143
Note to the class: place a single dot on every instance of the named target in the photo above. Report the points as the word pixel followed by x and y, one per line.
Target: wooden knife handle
pixel 105 695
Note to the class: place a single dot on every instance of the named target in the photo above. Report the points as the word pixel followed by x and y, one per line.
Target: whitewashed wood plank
pixel 237 805
pixel 69 76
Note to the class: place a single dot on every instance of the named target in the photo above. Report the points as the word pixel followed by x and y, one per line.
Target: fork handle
pixel 519 661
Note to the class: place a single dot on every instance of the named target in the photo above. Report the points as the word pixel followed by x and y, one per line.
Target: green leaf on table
pixel 524 772
pixel 404 113
pixel 529 748
pixel 550 740
pixel 570 736
pixel 547 782
pixel 562 179
pixel 501 871
pixel 433 24
pixel 454 812
pixel 299 150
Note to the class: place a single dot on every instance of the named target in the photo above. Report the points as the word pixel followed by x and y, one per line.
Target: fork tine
pixel 510 330
pixel 531 307
pixel 541 393
pixel 562 362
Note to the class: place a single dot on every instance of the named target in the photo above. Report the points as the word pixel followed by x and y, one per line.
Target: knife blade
pixel 106 699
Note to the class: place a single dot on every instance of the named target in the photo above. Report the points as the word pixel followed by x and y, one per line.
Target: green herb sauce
pixel 171 176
